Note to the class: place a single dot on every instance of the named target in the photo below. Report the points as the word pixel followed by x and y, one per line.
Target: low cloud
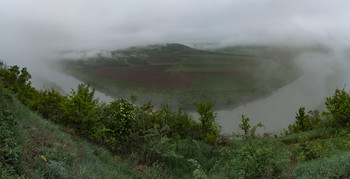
pixel 107 24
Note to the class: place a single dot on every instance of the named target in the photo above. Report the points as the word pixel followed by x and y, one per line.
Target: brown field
pixel 152 74
pixel 162 61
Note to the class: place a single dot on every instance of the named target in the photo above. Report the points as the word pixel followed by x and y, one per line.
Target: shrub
pixel 49 104
pixel 10 149
pixel 337 166
pixel 118 117
pixel 307 149
pixel 305 122
pixel 17 81
pixel 180 123
pixel 249 132
pixel 267 159
pixel 339 106
pixel 81 111
pixel 208 124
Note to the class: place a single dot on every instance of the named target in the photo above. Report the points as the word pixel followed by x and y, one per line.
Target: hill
pixel 82 138
pixel 178 75
pixel 33 147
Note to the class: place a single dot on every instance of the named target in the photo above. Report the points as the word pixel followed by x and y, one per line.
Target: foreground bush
pixel 49 104
pixel 10 149
pixel 337 166
pixel 257 159
pixel 339 106
pixel 81 110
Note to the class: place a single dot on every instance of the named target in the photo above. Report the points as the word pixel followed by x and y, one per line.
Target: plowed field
pixel 152 75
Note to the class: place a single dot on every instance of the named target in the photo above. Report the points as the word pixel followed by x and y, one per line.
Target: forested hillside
pixel 48 135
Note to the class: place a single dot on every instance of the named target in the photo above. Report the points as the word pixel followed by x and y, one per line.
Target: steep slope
pixel 33 147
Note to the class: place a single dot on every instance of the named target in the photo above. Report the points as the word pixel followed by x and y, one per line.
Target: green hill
pixel 32 147
pixel 181 76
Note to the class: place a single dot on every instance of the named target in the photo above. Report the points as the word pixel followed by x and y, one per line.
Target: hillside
pixel 33 147
pixel 181 76
pixel 82 138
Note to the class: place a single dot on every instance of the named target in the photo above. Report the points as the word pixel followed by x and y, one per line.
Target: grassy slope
pixel 67 155
pixel 51 151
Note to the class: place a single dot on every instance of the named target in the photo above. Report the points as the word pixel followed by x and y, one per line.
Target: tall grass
pixel 337 166
pixel 48 152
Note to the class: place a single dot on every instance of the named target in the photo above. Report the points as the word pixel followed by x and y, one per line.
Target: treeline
pixel 172 141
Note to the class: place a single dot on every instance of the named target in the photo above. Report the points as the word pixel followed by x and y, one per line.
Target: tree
pixel 339 106
pixel 49 104
pixel 249 132
pixel 81 109
pixel 209 127
pixel 245 126
pixel 119 115
pixel 18 82
pixel 301 119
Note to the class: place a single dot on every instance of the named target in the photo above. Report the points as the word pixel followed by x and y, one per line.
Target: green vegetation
pixel 76 136
pixel 223 77
pixel 216 63
pixel 33 147
pixel 246 83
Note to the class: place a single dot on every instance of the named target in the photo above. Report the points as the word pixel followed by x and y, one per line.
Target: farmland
pixel 182 76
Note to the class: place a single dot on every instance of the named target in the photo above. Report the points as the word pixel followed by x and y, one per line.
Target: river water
pixel 321 75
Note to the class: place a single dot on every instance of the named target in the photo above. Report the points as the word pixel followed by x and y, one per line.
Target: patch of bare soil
pixel 151 75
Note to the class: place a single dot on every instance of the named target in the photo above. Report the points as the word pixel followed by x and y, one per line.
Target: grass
pixel 313 134
pixel 48 151
pixel 336 166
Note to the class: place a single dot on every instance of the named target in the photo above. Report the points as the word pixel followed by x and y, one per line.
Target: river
pixel 321 75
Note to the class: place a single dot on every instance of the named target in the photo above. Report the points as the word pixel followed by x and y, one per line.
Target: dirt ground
pixel 154 74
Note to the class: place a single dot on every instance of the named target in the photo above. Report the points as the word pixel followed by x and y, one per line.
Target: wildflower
pixel 43 157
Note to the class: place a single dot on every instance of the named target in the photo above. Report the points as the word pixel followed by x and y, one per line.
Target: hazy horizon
pixel 108 25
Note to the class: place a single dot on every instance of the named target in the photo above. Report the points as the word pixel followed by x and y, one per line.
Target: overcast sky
pixel 111 24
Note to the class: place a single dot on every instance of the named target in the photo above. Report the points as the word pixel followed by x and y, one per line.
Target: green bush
pixel 308 149
pixel 118 116
pixel 17 81
pixel 249 131
pixel 81 110
pixel 10 148
pixel 305 122
pixel 257 159
pixel 180 123
pixel 337 166
pixel 210 129
pixel 49 104
pixel 339 106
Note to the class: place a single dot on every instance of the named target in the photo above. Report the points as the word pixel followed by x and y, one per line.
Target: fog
pixel 33 31
pixel 310 90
